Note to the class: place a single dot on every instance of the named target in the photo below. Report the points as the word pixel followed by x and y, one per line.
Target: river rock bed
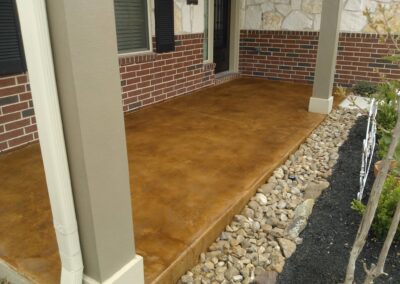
pixel 255 245
pixel 323 256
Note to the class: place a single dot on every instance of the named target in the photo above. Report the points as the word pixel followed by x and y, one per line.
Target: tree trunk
pixel 377 270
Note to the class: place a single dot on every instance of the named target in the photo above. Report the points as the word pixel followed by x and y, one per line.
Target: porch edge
pixel 10 274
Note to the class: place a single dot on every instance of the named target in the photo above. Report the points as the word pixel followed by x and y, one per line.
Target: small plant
pixel 387 116
pixel 386 207
pixel 341 91
pixel 365 89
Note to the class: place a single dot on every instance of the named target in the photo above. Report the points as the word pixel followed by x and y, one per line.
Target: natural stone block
pixel 242 15
pixel 355 5
pixel 284 9
pixel 267 7
pixel 296 4
pixel 304 210
pixel 255 2
pixel 277 261
pixel 353 21
pixel 312 6
pixel 297 20
pixel 394 23
pixel 177 19
pixel 372 5
pixel 266 277
pixel 317 22
pixel 253 17
pixel 186 19
pixel 272 20
pixel 314 190
pixel 296 227
pixel 288 247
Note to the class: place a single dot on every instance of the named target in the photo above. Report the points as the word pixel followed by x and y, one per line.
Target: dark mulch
pixel 324 254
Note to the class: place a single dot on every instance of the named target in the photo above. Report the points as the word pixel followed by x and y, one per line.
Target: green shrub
pixel 387 105
pixel 386 207
pixel 386 116
pixel 383 147
pixel 365 89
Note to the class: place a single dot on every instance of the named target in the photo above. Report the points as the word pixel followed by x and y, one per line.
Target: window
pixel 132 23
pixel 12 60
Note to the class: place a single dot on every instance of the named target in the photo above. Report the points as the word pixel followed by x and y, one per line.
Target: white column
pixel 84 43
pixel 322 100
pixel 38 54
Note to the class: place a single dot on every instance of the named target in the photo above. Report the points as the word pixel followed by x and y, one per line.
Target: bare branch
pixel 378 270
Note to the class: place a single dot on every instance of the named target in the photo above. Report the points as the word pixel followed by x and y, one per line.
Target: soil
pixel 329 236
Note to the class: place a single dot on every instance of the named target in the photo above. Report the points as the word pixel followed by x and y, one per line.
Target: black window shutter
pixel 164 17
pixel 12 60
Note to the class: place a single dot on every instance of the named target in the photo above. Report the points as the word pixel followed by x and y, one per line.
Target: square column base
pixel 132 272
pixel 319 105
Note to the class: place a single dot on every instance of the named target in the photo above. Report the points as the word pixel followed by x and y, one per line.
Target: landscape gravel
pixel 323 256
pixel 256 244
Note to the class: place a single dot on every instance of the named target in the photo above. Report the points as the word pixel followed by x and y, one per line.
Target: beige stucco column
pixel 234 35
pixel 85 56
pixel 322 100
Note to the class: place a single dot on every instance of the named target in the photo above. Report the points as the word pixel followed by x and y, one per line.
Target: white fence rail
pixel 368 147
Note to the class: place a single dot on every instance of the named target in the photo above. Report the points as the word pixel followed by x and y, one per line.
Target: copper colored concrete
pixel 194 163
pixel 27 237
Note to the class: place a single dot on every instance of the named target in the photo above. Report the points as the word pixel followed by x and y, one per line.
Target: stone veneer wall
pixel 291 56
pixel 305 15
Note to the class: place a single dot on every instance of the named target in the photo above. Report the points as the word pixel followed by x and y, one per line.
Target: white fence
pixel 368 147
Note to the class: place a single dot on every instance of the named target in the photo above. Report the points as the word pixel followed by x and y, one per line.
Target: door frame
pixel 234 34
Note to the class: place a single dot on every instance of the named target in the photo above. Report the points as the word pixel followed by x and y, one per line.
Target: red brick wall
pixel 147 79
pixel 17 120
pixel 291 56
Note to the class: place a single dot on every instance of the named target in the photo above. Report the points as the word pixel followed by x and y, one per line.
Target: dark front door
pixel 221 35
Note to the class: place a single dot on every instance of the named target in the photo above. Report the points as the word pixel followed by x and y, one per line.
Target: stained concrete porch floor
pixel 194 162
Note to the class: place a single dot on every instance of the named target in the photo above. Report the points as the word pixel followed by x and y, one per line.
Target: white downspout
pixel 35 34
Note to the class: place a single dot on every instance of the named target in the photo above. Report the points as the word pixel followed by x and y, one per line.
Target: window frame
pixel 149 9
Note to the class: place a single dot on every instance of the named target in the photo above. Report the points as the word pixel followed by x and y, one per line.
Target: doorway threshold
pixel 225 76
